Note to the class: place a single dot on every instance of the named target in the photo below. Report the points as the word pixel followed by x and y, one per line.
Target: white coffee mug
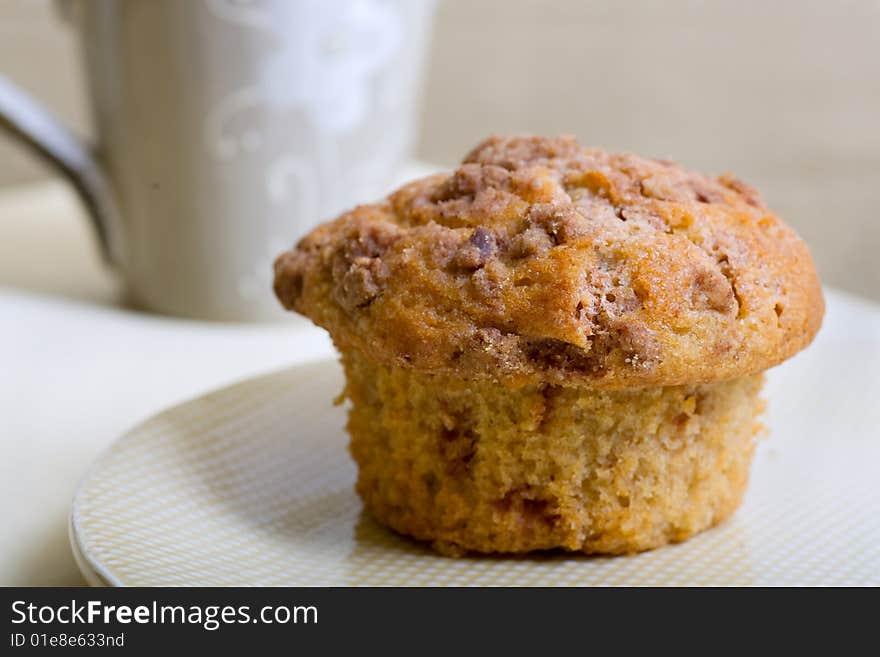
pixel 226 129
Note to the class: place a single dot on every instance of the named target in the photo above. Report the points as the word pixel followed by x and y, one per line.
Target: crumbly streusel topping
pixel 539 259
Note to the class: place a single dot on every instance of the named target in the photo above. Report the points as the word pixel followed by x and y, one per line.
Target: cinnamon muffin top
pixel 541 260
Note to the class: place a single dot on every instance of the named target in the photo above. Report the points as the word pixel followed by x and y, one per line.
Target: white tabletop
pixel 78 369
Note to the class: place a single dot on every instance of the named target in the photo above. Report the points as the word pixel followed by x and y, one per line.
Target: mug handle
pixel 29 122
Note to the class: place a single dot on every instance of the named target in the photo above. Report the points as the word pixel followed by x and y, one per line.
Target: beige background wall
pixel 786 94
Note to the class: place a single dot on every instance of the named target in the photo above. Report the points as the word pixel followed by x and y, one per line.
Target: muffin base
pixel 478 466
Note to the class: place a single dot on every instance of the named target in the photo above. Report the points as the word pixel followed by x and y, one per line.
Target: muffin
pixel 554 346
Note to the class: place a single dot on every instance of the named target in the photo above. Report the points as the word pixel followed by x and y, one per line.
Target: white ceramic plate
pixel 252 485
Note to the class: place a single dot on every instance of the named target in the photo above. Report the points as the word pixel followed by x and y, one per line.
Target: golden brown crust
pixel 476 466
pixel 541 260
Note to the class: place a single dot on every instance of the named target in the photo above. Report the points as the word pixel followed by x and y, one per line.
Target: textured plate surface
pixel 252 485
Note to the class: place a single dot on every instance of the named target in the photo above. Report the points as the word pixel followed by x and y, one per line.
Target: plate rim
pixel 91 569
pixel 96 573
